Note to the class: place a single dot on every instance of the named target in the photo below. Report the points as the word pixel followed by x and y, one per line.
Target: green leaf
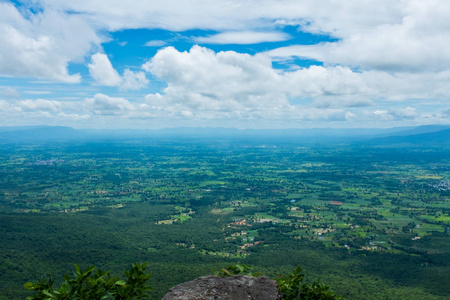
pixel 120 282
pixel 29 285
pixel 89 270
pixel 45 292
pixel 128 290
pixel 78 270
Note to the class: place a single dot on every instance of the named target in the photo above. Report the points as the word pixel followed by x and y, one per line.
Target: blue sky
pixel 244 64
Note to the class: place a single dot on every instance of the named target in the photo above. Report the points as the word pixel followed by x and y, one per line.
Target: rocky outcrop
pixel 239 287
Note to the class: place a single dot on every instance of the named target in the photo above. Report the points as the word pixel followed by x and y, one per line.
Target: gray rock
pixel 239 287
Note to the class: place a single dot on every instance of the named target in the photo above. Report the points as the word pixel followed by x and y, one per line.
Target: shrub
pixel 97 285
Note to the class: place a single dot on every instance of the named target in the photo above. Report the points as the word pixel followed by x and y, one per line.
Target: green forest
pixel 370 221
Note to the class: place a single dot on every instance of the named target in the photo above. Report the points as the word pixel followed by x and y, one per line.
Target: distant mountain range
pixel 434 138
pixel 420 135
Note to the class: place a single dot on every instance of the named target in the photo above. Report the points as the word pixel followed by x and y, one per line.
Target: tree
pixel 97 285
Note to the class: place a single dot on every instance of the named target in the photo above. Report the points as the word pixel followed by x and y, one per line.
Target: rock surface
pixel 239 287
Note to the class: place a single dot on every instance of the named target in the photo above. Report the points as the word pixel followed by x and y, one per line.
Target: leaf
pixel 78 269
pixel 240 267
pixel 128 290
pixel 89 270
pixel 227 272
pixel 45 292
pixel 29 285
pixel 120 282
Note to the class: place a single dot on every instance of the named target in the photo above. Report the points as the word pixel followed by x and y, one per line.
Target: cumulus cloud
pixel 374 34
pixel 39 46
pixel 102 104
pixel 248 87
pixel 32 112
pixel 415 38
pixel 201 80
pixel 404 113
pixel 241 79
pixel 102 70
pixel 104 74
pixel 38 105
pixel 243 86
pixel 133 80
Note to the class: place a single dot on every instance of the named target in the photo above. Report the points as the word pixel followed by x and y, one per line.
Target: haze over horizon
pixel 243 64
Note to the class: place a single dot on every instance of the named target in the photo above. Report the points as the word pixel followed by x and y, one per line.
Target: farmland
pixel 371 221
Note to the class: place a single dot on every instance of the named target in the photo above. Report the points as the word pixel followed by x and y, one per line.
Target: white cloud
pixel 415 39
pixel 404 113
pixel 10 93
pixel 393 115
pixel 225 15
pixel 318 81
pixel 243 37
pixel 389 60
pixel 374 34
pixel 102 70
pixel 73 117
pixel 38 105
pixel 248 87
pixel 104 74
pixel 201 81
pixel 31 92
pixel 133 80
pixel 155 43
pixel 242 87
pixel 4 105
pixel 104 105
pixel 178 15
pixel 39 45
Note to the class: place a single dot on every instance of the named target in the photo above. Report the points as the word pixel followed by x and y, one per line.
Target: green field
pixel 371 222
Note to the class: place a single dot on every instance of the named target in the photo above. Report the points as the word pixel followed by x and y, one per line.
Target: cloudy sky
pixel 224 63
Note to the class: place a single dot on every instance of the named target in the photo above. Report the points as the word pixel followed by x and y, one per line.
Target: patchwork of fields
pixel 216 202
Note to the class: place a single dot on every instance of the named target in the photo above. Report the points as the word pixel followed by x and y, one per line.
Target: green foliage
pixel 94 286
pixel 237 269
pixel 100 285
pixel 292 287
